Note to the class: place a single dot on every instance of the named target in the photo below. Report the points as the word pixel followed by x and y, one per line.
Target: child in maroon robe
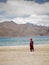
pixel 31 45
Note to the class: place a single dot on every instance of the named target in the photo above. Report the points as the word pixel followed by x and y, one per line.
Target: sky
pixel 25 11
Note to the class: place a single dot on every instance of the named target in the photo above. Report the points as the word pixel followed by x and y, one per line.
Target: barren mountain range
pixel 11 29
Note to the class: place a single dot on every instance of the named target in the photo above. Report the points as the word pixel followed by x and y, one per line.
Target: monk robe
pixel 31 45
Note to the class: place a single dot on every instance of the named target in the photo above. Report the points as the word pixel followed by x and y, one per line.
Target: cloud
pixel 24 11
pixel 34 19
pixel 18 8
pixel 4 1
pixel 21 8
pixel 39 19
pixel 19 20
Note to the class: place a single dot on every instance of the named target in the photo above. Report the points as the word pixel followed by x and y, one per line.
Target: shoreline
pixel 25 45
pixel 21 47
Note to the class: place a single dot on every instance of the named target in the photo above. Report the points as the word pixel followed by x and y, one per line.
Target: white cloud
pixel 34 19
pixel 19 20
pixel 14 8
pixel 24 8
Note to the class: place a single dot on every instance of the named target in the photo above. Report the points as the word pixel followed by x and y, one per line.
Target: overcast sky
pixel 24 11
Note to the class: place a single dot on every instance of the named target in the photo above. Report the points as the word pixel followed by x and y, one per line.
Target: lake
pixel 14 41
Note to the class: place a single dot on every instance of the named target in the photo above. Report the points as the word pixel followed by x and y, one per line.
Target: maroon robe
pixel 31 45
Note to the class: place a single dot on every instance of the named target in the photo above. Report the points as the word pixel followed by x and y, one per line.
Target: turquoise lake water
pixel 23 40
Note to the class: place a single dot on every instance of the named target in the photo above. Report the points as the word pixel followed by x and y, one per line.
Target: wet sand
pixel 21 55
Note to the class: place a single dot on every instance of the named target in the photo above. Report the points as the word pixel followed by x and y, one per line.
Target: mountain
pixel 11 29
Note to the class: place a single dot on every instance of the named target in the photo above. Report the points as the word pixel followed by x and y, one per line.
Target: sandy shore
pixel 21 55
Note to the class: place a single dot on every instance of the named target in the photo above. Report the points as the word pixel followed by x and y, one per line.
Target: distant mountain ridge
pixel 11 29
